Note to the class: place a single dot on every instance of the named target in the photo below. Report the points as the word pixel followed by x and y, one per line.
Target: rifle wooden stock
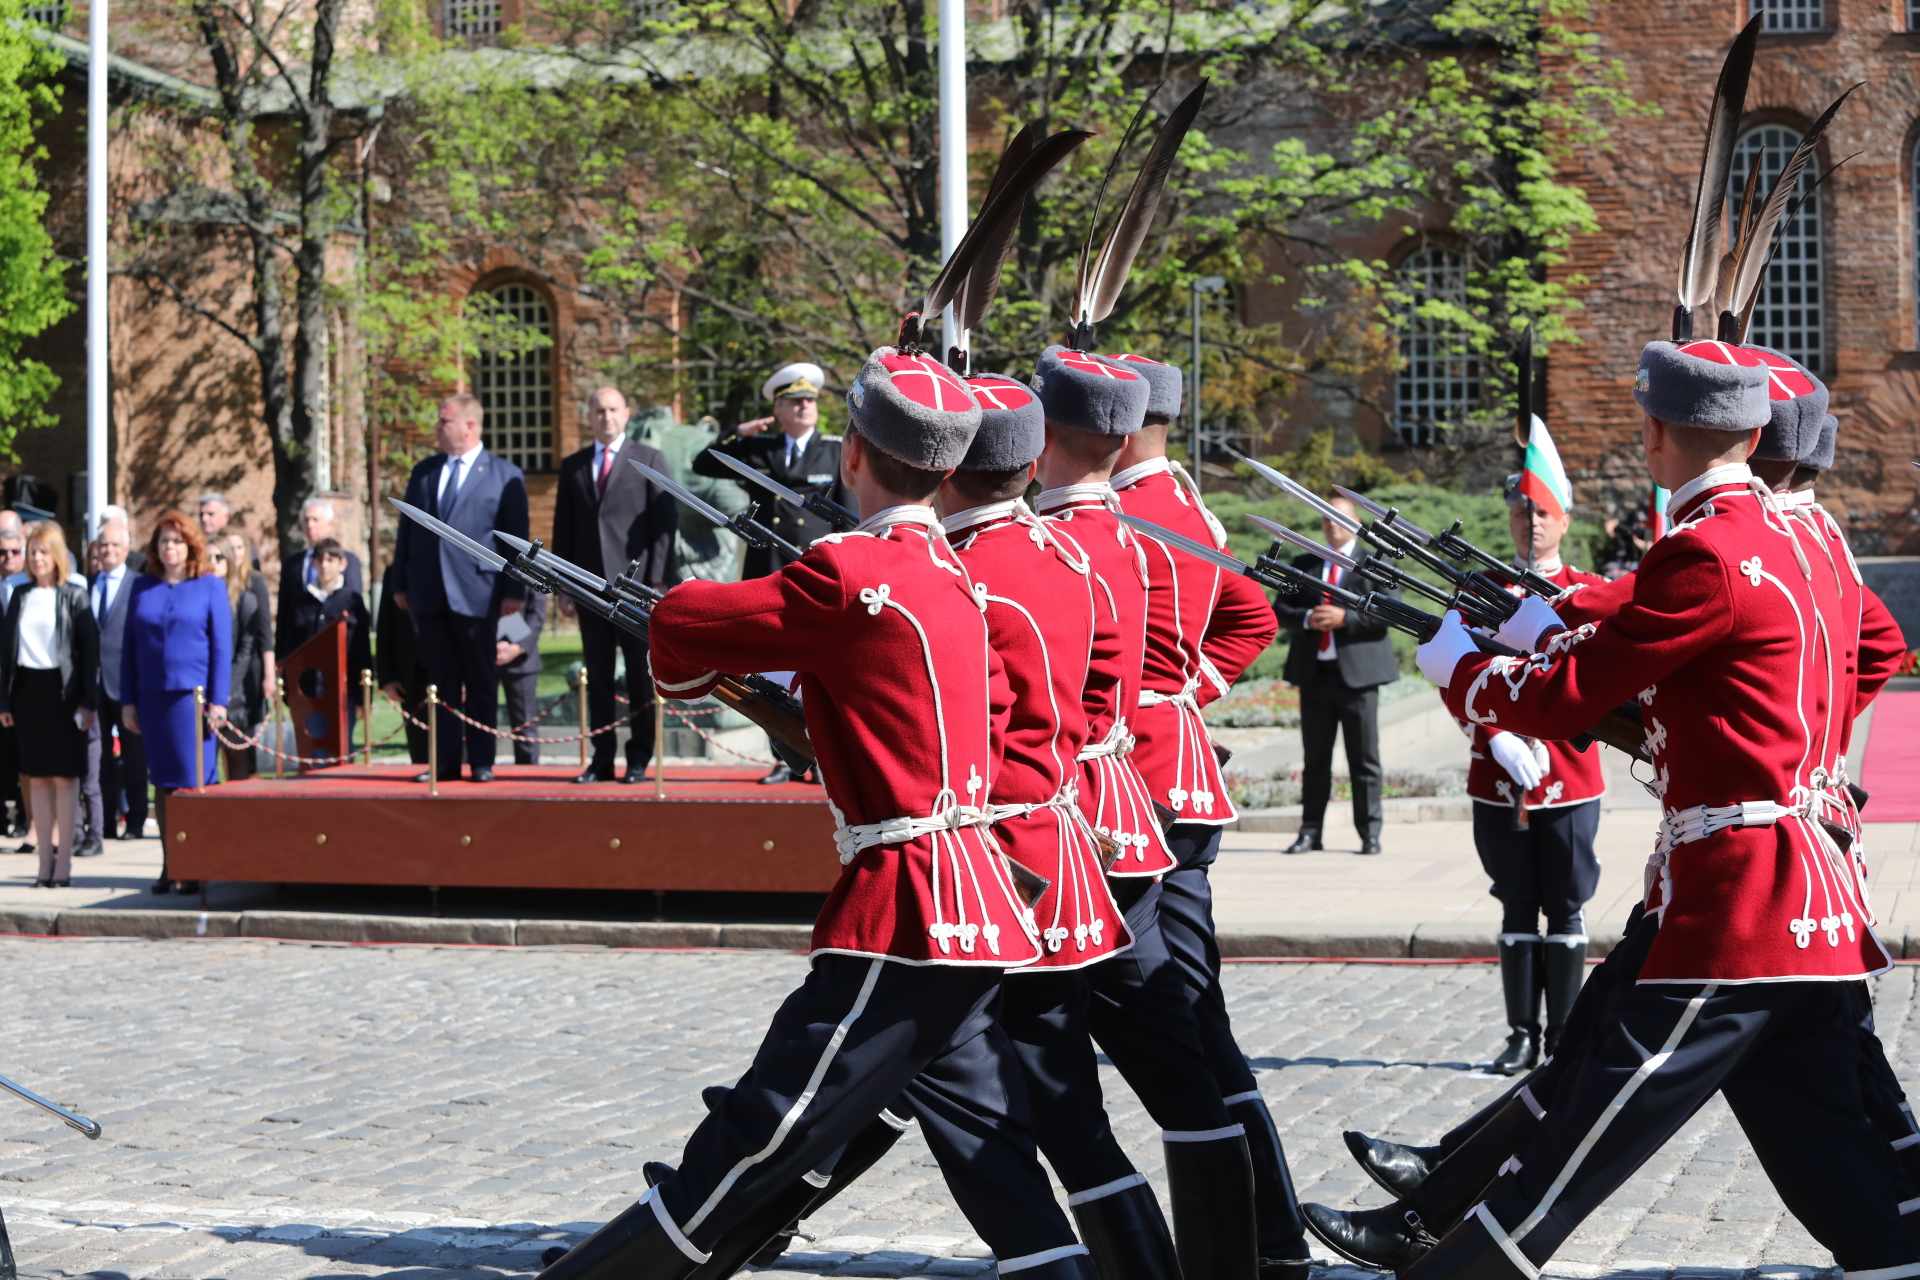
pixel 1621 729
pixel 789 729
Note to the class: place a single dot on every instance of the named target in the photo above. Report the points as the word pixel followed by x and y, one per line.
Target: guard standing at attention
pixel 798 454
pixel 1536 810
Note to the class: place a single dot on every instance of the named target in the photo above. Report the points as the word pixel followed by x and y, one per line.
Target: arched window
pixel 515 385
pixel 1439 381
pixel 1788 316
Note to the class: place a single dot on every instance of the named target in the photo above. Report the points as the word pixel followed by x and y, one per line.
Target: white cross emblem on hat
pixel 1002 395
pixel 1092 364
pixel 939 383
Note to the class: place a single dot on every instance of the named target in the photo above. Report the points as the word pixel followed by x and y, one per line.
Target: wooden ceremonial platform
pixel 713 829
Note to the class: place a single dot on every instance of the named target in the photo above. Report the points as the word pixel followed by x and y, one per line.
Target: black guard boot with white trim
pixel 1282 1232
pixel 1477 1249
pixel 1519 980
pixel 1126 1233
pixel 1210 1182
pixel 1070 1266
pixel 855 1159
pixel 634 1246
pixel 1395 1169
pixel 1563 962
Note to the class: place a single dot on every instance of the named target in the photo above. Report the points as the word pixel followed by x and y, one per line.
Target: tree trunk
pixel 311 349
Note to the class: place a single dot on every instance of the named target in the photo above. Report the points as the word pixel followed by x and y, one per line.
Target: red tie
pixel 1333 580
pixel 606 469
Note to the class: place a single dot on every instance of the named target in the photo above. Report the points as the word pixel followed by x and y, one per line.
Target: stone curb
pixel 1398 809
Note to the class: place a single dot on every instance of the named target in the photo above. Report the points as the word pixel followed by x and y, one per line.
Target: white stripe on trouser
pixel 1040 1259
pixel 800 1104
pixel 815 1178
pixel 1884 1273
pixel 674 1233
pixel 1901 1144
pixel 1203 1135
pixel 1106 1189
pixel 1526 1096
pixel 1505 1241
pixel 1251 1095
pixel 1908 1206
pixel 902 1123
pixel 1614 1108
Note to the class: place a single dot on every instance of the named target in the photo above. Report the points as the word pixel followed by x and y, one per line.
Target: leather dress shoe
pixel 482 774
pixel 1371 845
pixel 779 774
pixel 593 775
pixel 1398 1170
pixel 91 848
pixel 1377 1237
pixel 1308 841
pixel 633 776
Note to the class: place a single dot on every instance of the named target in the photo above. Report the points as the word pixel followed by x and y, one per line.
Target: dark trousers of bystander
pixel 458 652
pixel 521 694
pixel 123 773
pixel 599 641
pixel 1327 704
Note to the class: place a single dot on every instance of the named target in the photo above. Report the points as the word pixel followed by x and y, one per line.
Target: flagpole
pixel 953 146
pixel 96 264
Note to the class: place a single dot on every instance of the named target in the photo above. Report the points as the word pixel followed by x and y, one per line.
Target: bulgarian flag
pixel 1657 512
pixel 1542 478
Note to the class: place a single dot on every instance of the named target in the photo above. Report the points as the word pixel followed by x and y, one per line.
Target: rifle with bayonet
pixel 743 526
pixel 626 603
pixel 1504 573
pixel 1618 728
pixel 817 503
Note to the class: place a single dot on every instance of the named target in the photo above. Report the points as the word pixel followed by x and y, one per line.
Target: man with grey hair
pixel 297 570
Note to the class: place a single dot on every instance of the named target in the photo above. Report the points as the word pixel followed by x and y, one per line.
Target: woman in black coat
pixel 49 687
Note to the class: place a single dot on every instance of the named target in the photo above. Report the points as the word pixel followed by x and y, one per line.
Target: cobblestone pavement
pixel 285 1110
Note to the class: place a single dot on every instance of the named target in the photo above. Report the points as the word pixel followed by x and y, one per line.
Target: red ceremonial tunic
pixel 1721 644
pixel 1058 651
pixel 905 703
pixel 1572 776
pixel 1204 627
pixel 1114 795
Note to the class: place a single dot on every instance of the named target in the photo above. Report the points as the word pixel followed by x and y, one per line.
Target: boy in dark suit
pixel 1338 661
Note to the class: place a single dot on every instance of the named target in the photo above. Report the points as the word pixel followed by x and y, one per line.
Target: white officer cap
pixel 812 374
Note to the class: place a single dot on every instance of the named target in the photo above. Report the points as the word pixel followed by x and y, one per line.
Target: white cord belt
pixel 1185 699
pixel 850 840
pixel 1066 800
pixel 1118 742
pixel 1704 820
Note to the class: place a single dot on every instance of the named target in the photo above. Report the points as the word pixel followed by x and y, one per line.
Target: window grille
pixel 1792 15
pixel 1439 380
pixel 47 15
pixel 473 19
pixel 516 387
pixel 1788 316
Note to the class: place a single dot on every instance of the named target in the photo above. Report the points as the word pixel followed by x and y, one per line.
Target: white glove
pixel 1515 755
pixel 1534 619
pixel 1439 656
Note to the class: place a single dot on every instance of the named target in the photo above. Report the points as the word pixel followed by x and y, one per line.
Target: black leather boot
pixel 1283 1233
pixel 1211 1186
pixel 1308 841
pixel 634 1246
pixel 1075 1266
pixel 1127 1235
pixel 1395 1169
pixel 855 1159
pixel 1563 961
pixel 1519 979
pixel 1471 1251
pixel 1405 1230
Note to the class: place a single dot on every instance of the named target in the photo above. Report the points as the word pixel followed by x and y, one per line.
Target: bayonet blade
pixel 545 559
pixel 1181 542
pixel 1305 543
pixel 492 559
pixel 760 478
pixel 1379 512
pixel 681 492
pixel 1300 493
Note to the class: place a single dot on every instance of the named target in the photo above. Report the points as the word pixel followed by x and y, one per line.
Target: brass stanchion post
pixel 366 712
pixel 279 742
pixel 433 739
pixel 659 747
pixel 582 686
pixel 199 737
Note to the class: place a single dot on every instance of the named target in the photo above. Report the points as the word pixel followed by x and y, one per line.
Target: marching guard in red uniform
pixel 906 701
pixel 1757 920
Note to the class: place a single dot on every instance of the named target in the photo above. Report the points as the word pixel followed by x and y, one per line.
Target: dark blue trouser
pixel 1045 1014
pixel 853 1037
pixel 1547 868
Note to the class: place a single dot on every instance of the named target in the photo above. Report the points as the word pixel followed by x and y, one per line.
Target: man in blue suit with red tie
pixel 456 601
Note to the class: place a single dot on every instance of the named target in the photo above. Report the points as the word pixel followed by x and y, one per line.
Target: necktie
pixel 606 469
pixel 452 490
pixel 1333 580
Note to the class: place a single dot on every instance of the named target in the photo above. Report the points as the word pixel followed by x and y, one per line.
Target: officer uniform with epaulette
pixel 790 447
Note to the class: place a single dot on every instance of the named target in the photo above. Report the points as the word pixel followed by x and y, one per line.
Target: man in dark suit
pixel 123 777
pixel 606 515
pixel 799 456
pixel 454 599
pixel 297 571
pixel 1338 660
pixel 397 667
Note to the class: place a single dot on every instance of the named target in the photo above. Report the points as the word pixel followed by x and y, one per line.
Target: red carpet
pixel 1891 770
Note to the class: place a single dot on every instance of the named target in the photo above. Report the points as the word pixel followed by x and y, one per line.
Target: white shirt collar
pixel 467 458
pixel 609 448
pixel 797 445
pixel 987 513
pixel 1073 494
pixel 1345 548
pixel 1140 471
pixel 907 513
pixel 1732 473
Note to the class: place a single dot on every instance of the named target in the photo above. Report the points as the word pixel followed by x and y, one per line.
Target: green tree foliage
pixel 33 292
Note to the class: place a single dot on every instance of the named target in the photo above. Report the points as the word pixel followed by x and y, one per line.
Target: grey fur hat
pixel 1703 384
pixel 1820 458
pixel 1168 381
pixel 914 408
pixel 1799 403
pixel 1013 427
pixel 1080 390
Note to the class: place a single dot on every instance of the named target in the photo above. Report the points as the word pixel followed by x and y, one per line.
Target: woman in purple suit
pixel 179 637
